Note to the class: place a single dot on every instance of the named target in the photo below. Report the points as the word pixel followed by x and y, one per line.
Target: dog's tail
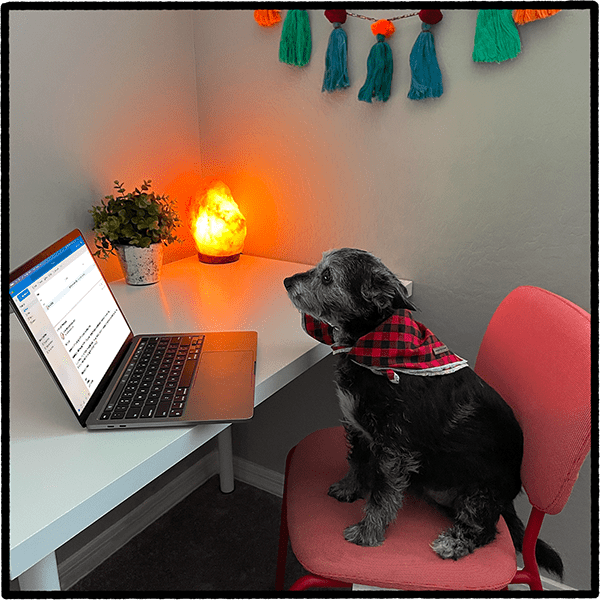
pixel 546 556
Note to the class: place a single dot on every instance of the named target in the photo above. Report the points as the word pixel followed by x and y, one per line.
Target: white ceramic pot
pixel 142 266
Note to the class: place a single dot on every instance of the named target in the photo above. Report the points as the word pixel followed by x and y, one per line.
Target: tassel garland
pixel 496 36
pixel 336 57
pixel 380 65
pixel 267 18
pixel 296 43
pixel 526 16
pixel 496 40
pixel 426 75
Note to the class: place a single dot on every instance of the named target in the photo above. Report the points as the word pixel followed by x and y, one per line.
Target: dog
pixel 442 434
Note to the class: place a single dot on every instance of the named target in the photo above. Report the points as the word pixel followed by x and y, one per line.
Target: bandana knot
pixel 398 345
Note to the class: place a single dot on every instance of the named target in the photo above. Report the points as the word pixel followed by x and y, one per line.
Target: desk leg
pixel 226 461
pixel 43 576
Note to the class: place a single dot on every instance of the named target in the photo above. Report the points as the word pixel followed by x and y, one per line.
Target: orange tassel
pixel 267 18
pixel 521 17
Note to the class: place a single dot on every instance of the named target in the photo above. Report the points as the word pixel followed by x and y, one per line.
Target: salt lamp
pixel 218 227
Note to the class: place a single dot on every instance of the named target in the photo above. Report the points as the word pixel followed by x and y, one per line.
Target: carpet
pixel 210 541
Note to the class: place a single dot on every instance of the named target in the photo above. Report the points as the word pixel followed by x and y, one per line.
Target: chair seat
pixel 405 560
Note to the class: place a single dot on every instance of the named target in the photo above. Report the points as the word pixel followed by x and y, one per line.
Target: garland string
pixel 390 19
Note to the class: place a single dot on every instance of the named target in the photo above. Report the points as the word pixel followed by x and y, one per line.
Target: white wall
pixel 96 96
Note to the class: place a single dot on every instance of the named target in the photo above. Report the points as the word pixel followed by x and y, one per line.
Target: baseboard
pixel 258 477
pixel 552 585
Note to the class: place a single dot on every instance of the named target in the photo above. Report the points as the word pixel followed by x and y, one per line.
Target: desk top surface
pixel 63 477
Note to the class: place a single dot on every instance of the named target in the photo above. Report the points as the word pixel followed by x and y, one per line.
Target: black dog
pixel 447 437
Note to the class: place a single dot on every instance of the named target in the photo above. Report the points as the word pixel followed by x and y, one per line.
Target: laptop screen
pixel 71 314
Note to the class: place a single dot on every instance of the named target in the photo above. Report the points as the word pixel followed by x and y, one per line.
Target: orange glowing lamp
pixel 218 226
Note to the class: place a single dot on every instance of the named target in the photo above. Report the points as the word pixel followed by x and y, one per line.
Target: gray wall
pixel 469 195
pixel 96 96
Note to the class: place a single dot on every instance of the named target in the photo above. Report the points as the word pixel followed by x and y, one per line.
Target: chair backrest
pixel 536 353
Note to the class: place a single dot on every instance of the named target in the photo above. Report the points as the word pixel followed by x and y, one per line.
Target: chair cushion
pixel 405 560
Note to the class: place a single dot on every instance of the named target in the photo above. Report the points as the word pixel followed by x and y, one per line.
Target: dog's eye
pixel 326 277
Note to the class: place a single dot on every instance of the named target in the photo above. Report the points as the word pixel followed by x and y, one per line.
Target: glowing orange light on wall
pixel 217 225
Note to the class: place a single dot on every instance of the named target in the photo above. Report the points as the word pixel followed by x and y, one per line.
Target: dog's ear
pixel 386 293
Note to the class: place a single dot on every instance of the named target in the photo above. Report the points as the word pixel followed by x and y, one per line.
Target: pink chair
pixel 536 354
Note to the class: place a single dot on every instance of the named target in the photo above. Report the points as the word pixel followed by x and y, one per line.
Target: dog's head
pixel 350 289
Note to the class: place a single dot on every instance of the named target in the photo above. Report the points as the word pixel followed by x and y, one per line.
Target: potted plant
pixel 135 225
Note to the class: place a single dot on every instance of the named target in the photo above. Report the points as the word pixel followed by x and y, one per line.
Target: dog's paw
pixel 451 544
pixel 343 492
pixel 361 535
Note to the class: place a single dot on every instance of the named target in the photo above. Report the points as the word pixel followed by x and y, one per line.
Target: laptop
pixel 111 378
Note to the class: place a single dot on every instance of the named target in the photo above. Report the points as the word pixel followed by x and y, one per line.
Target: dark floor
pixel 209 542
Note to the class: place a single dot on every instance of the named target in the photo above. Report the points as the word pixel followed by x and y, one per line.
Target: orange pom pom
pixel 526 16
pixel 267 18
pixel 383 27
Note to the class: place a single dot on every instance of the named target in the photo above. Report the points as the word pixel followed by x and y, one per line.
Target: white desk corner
pixel 78 475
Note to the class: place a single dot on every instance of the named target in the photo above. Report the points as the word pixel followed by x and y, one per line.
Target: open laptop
pixel 111 378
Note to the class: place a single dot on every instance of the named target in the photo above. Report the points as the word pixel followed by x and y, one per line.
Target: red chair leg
pixel 281 553
pixel 314 581
pixel 530 574
pixel 284 535
pixel 307 581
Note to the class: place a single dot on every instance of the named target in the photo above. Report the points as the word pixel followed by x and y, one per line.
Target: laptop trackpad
pixel 224 387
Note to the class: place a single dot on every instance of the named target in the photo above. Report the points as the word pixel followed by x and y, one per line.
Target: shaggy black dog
pixel 449 438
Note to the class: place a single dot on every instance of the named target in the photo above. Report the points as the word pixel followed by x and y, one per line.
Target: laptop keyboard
pixel 156 382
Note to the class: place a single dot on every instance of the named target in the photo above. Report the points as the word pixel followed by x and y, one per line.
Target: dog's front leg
pixel 390 481
pixel 353 485
pixel 380 511
pixel 346 489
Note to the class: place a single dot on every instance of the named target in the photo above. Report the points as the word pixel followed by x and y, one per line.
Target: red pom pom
pixel 431 17
pixel 336 16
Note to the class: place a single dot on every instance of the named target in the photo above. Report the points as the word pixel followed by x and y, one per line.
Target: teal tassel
pixel 380 67
pixel 296 43
pixel 426 75
pixel 496 36
pixel 336 60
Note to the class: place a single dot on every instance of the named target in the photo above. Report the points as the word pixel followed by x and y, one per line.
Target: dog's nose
pixel 288 283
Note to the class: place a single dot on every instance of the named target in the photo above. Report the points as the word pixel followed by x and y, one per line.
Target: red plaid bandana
pixel 398 345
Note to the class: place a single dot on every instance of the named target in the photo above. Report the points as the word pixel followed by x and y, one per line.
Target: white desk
pixel 62 477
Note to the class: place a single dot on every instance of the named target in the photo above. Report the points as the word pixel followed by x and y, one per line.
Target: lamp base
pixel 217 260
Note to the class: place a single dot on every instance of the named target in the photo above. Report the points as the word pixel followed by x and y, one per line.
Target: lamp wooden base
pixel 217 260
